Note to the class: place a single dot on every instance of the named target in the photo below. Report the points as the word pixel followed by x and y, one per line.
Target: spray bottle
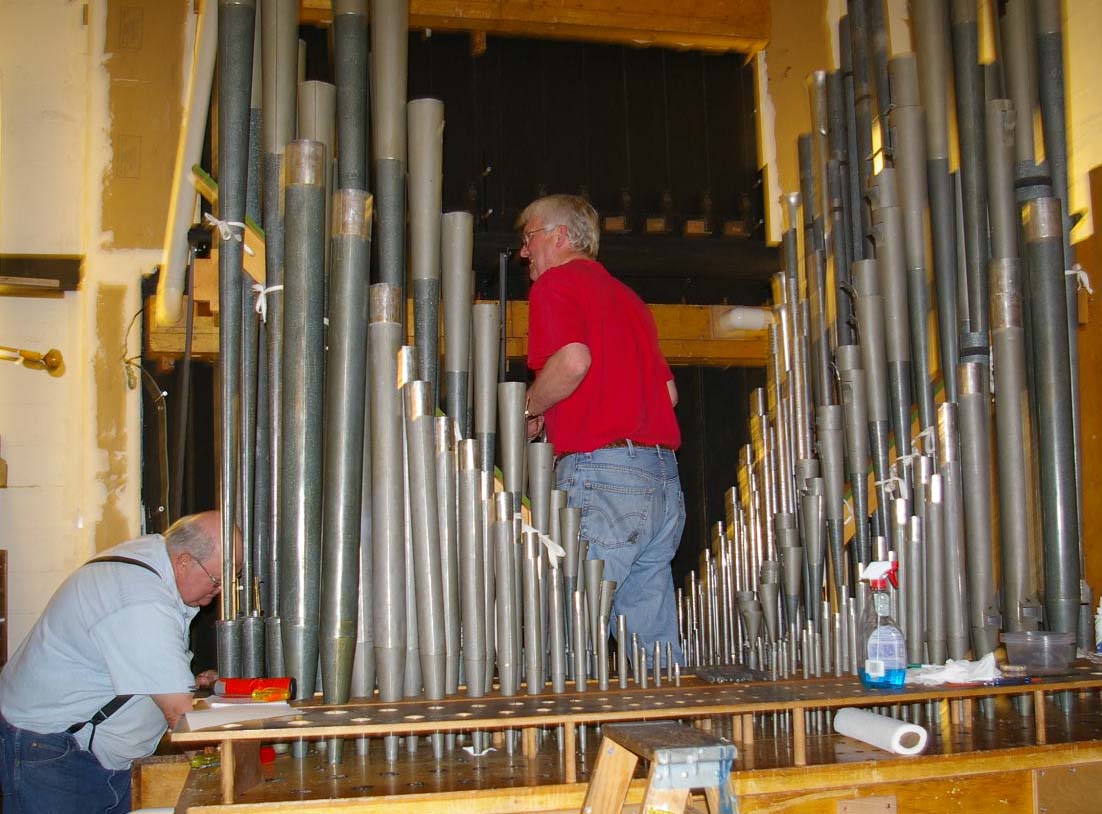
pixel 883 651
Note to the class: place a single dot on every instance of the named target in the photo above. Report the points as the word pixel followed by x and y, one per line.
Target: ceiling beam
pixel 702 25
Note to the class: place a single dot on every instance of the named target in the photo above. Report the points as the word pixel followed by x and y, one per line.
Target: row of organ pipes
pixel 378 555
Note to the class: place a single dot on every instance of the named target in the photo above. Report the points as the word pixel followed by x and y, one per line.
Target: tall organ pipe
pixel 485 321
pixel 855 413
pixel 317 105
pixel 888 230
pixel 1050 73
pixel 870 322
pixel 389 71
pixel 345 379
pixel 1052 375
pixel 931 31
pixel 1020 554
pixel 279 47
pixel 304 280
pixel 350 54
pixel 235 48
pixel 956 574
pixel 975 464
pixel 421 449
pixel 457 278
pixel 511 415
pixel 388 498
pixel 426 173
pixel 973 164
pixel 472 568
pixel 447 486
pixel 909 147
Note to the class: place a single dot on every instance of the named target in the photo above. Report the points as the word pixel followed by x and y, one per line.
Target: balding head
pixel 196 534
pixel 194 547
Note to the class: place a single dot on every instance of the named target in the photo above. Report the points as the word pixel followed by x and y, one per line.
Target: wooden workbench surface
pixel 693 698
pixel 984 751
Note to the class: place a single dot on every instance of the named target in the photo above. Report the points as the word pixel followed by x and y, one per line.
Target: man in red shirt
pixel 606 396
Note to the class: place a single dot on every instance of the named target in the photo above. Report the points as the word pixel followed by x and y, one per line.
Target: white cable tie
pixel 848 516
pixel 262 298
pixel 927 433
pixel 229 230
pixel 889 483
pixel 553 548
pixel 1081 276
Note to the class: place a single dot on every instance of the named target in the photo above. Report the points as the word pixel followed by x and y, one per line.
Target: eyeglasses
pixel 526 237
pixel 217 583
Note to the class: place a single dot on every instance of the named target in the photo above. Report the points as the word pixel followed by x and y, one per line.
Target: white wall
pixel 54 151
pixel 1083 63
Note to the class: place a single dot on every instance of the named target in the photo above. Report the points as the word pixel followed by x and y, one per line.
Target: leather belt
pixel 623 443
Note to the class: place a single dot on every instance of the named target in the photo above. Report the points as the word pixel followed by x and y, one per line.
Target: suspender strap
pixel 128 561
pixel 104 712
pixel 116 703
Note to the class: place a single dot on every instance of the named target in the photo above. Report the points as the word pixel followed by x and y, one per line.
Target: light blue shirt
pixel 110 629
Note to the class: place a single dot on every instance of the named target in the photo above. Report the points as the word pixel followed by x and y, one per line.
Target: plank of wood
pixel 716 25
pixel 684 331
pixel 693 699
pixel 611 778
pixel 1065 789
pixel 156 782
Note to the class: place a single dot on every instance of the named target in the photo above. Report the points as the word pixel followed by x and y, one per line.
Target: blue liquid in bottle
pixel 885 664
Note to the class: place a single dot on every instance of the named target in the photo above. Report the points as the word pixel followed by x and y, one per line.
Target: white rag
pixel 961 671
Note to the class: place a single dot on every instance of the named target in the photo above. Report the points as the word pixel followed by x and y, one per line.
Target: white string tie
pixel 262 298
pixel 927 434
pixel 1080 274
pixel 553 548
pixel 229 230
pixel 890 485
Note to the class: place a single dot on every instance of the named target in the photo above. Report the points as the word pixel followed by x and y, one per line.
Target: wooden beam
pixel 705 25
pixel 685 333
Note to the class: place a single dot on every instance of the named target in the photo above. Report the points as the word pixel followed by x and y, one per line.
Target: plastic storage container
pixel 1040 651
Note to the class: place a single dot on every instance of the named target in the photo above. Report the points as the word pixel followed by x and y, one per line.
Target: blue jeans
pixel 51 774
pixel 633 513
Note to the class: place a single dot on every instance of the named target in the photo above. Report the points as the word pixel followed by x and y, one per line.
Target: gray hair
pixel 572 211
pixel 188 536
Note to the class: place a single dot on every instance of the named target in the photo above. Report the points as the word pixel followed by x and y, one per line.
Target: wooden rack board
pixel 735 704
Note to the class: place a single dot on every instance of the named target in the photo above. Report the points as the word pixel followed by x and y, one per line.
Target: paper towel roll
pixel 880 731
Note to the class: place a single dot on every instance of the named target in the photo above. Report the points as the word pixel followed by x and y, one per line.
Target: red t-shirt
pixel 624 395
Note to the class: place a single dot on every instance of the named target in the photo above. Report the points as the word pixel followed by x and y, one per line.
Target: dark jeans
pixel 51 774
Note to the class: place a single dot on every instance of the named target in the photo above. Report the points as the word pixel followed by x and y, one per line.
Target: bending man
pixel 105 670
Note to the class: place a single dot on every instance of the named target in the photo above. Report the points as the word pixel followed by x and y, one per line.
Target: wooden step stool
pixel 681 758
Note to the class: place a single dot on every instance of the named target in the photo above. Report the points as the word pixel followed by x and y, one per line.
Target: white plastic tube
pixel 181 213
pixel 880 731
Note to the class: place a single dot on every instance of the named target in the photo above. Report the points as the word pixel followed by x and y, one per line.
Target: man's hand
pixel 534 426
pixel 173 705
pixel 205 680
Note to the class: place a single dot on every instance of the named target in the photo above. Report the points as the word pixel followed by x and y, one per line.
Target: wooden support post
pixel 736 727
pixel 966 713
pixel 608 786
pixel 226 749
pixel 659 799
pixel 748 728
pixel 1039 716
pixel 528 744
pixel 799 738
pixel 569 748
